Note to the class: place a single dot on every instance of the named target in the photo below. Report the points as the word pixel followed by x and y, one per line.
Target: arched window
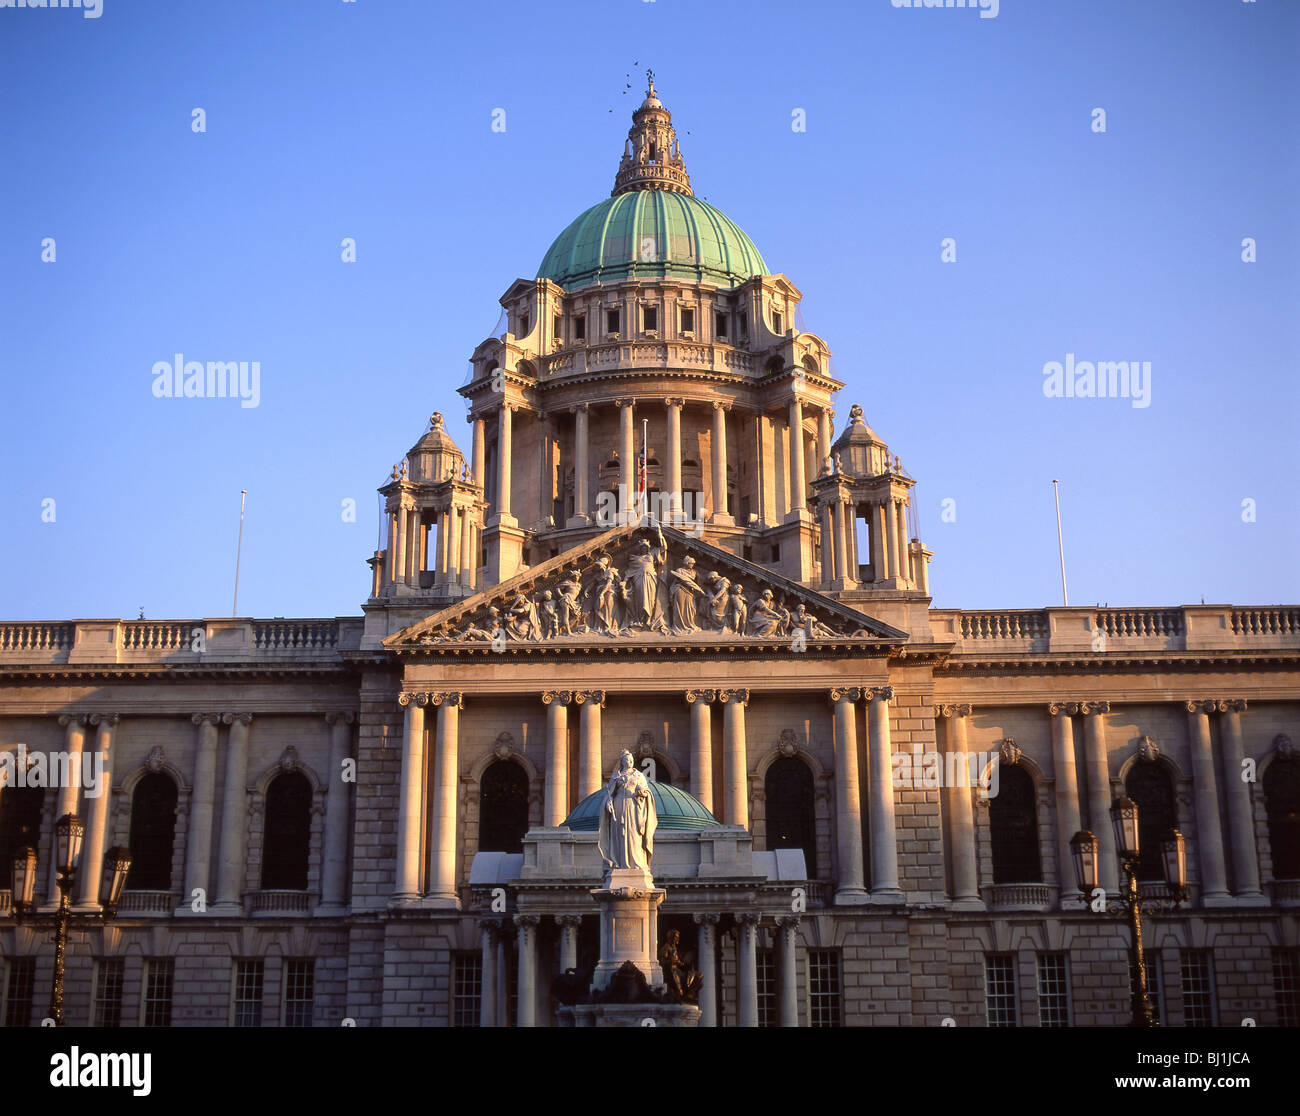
pixel 1013 828
pixel 20 824
pixel 286 844
pixel 791 814
pixel 503 808
pixel 153 833
pixel 1282 803
pixel 1149 785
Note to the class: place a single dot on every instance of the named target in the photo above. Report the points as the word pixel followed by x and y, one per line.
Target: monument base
pixel 629 1015
pixel 629 926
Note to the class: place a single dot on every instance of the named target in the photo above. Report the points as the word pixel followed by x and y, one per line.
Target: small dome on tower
pixel 859 452
pixel 435 457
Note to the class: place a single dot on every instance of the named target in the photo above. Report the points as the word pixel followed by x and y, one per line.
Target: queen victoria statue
pixel 627 819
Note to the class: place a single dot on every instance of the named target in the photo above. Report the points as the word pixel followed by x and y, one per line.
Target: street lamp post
pixel 1085 847
pixel 68 833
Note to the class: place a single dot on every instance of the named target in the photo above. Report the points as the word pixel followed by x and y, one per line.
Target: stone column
pixel 1066 781
pixel 702 745
pixel 487 1009
pixel 788 933
pixel 957 806
pixel 719 495
pixel 850 887
pixel 904 558
pixel 407 884
pixel 626 463
pixel 1245 861
pixel 823 434
pixel 879 540
pixel 503 977
pixel 851 537
pixel 841 543
pixel 527 929
pixel 334 878
pixel 568 925
pixel 477 449
pixel 393 548
pixel 581 464
pixel 467 557
pixel 707 946
pixel 234 818
pixel 591 766
pixel 884 835
pixel 737 763
pixel 92 851
pixel 1099 792
pixel 826 519
pixel 446 785
pixel 504 437
pixel 557 756
pixel 747 931
pixel 455 525
pixel 198 840
pixel 674 461
pixel 421 548
pixel 400 573
pixel 1209 834
pixel 798 483
pixel 440 559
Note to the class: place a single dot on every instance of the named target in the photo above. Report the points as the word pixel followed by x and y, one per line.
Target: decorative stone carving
pixel 1285 749
pixel 656 594
pixel 1008 753
pixel 289 759
pixel 627 819
pixel 1148 751
pixel 645 744
pixel 504 746
pixel 788 744
pixel 156 759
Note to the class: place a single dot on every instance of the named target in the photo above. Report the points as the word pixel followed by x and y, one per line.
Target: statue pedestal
pixel 629 1015
pixel 629 925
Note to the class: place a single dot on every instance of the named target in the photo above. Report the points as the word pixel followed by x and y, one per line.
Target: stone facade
pixel 774 610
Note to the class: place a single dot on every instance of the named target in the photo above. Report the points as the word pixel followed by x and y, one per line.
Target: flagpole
pixel 239 549
pixel 1060 541
pixel 645 464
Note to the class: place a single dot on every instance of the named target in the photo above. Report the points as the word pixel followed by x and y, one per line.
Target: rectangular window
pixel 108 992
pixel 246 997
pixel 720 326
pixel 466 989
pixel 688 320
pixel 156 1005
pixel 776 322
pixel 1198 988
pixel 1053 990
pixel 767 1009
pixel 1286 986
pixel 580 327
pixel 20 986
pixel 299 989
pixel 559 328
pixel 1155 993
pixel 611 321
pixel 823 988
pixel 525 321
pixel 650 315
pixel 1000 989
pixel 744 325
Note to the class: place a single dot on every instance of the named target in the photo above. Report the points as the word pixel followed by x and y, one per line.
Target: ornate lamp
pixel 1173 852
pixel 1084 846
pixel 24 878
pixel 68 832
pixel 1124 817
pixel 117 863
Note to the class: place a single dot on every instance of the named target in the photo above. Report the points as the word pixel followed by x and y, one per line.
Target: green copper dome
pixel 675 809
pixel 652 234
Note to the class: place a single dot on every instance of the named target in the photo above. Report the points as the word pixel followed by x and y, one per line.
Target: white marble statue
pixel 627 819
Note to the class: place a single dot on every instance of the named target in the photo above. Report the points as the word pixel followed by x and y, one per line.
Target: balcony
pixel 280 904
pixel 149 904
pixel 1019 897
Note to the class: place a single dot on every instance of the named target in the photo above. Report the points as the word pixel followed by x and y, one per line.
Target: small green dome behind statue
pixel 676 809
pixel 652 234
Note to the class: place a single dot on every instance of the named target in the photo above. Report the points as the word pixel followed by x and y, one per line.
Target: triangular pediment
pixel 644 585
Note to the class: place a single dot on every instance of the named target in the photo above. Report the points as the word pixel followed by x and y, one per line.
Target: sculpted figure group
pixel 648 596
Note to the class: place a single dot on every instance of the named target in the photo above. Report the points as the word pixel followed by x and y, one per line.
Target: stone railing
pixel 149 902
pixel 636 353
pixel 177 641
pixel 1101 630
pixel 280 903
pixel 1286 893
pixel 1019 897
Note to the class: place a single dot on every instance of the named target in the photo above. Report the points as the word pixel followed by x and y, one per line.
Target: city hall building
pixel 669 537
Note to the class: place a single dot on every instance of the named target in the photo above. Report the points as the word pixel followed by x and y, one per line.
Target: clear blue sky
pixel 373 120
